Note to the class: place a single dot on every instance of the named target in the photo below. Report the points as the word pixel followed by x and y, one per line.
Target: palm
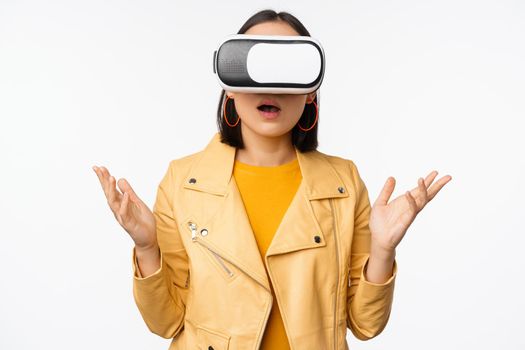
pixel 139 224
pixel 390 221
pixel 129 210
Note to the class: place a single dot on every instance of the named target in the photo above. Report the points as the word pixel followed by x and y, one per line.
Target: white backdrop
pixel 410 86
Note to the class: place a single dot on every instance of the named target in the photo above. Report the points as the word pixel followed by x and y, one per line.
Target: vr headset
pixel 272 64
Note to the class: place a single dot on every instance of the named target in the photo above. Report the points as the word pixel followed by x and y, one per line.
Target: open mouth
pixel 269 105
pixel 268 108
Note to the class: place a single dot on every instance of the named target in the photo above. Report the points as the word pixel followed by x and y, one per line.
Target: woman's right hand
pixel 129 210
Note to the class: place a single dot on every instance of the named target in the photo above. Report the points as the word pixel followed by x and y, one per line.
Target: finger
pixel 123 210
pixel 420 194
pixel 428 181
pixel 409 215
pixel 386 191
pixel 430 177
pixel 423 191
pixel 126 187
pixel 101 179
pixel 412 203
pixel 434 189
pixel 114 196
pixel 105 176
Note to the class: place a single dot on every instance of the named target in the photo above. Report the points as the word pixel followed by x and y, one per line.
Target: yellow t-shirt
pixel 266 192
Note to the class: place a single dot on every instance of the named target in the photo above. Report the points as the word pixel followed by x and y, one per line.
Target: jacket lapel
pixel 229 230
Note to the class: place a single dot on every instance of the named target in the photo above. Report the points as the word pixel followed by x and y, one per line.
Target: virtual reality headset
pixel 273 64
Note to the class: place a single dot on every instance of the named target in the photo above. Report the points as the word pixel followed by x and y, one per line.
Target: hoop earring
pixel 224 112
pixel 316 117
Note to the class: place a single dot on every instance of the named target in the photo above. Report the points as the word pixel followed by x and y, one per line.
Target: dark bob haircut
pixel 302 140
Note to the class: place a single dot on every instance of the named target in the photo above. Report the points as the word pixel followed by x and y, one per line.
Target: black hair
pixel 303 140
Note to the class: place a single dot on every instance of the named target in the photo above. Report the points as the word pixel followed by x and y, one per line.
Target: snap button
pixel 192 180
pixel 317 239
pixel 341 189
pixel 204 232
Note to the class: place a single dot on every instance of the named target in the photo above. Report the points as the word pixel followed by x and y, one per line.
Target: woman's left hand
pixel 389 222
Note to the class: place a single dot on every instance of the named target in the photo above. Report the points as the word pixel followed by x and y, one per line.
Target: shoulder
pixel 185 162
pixel 345 167
pixel 178 168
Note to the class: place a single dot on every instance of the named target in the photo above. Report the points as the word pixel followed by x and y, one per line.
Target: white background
pixel 410 86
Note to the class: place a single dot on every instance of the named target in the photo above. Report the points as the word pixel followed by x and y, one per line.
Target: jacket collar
pixel 215 168
pixel 301 227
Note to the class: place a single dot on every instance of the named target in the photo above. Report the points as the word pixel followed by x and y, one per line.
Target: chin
pixel 268 128
pixel 272 130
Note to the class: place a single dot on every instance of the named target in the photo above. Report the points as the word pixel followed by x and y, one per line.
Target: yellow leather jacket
pixel 212 291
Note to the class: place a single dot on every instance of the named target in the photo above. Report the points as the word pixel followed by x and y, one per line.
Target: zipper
pixel 219 259
pixel 193 228
pixel 334 223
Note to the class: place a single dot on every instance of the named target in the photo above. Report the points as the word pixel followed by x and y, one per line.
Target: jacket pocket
pixel 208 339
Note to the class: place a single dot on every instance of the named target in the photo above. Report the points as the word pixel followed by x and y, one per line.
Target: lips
pixel 269 105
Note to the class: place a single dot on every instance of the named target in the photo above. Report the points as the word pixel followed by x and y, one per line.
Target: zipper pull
pixel 193 228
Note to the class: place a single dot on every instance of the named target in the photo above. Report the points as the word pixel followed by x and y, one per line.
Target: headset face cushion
pixel 278 64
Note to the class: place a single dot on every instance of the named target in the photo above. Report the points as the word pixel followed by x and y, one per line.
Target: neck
pixel 263 150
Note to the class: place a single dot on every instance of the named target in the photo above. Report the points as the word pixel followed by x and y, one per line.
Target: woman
pixel 260 241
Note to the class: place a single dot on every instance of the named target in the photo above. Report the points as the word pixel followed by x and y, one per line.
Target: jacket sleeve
pixel 161 296
pixel 368 304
